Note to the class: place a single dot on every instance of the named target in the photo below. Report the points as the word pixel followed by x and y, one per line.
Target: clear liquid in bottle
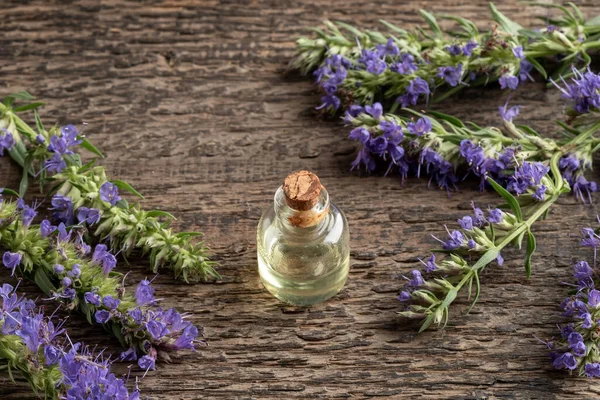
pixel 303 243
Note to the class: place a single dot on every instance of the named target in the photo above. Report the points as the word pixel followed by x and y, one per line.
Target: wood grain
pixel 188 101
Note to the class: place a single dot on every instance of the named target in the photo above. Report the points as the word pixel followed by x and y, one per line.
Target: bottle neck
pixel 295 219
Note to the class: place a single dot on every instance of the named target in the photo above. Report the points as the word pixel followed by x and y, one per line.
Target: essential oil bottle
pixel 303 243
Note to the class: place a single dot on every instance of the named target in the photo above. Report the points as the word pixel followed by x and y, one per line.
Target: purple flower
pixel 451 75
pixel 583 189
pixel 574 338
pixel 129 355
pixel 592 370
pixel 404 296
pixel 63 235
pixel 419 128
pixel 525 68
pixel 11 260
pixel 565 360
pixel 58 269
pixel 582 270
pixel 58 145
pixel 110 302
pixel 389 48
pixel 92 298
pixel 376 110
pixel 455 241
pixel 540 192
pixel 102 316
pixel 496 216
pixel 583 92
pixel 593 298
pixel 352 112
pixel 147 362
pixel 361 134
pixel 144 293
pixel 526 176
pixel 472 153
pixel 7 141
pixel 28 215
pixel 508 114
pixel 109 193
pixel 518 52
pixel 454 49
pixel 187 337
pixel 579 349
pixel 587 321
pixel 66 281
pixel 430 264
pixel 328 101
pixel 508 81
pixel 499 259
pixel 417 279
pixel 468 48
pixel 466 223
pixel 75 271
pixel 364 157
pixel 415 88
pixel 157 329
pixel 406 65
pixel 88 215
pixel 63 209
pixel 55 164
pixel 479 217
pixel 51 354
pixel 46 228
pixel 103 256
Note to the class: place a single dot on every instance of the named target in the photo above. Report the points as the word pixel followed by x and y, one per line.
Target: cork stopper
pixel 301 190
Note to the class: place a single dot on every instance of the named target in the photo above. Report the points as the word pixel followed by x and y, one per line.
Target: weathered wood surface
pixel 188 101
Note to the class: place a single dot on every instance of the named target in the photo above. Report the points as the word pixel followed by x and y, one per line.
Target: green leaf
pixel 453 120
pixel 87 166
pixel 512 202
pixel 349 28
pixel 126 186
pixel 477 291
pixel 427 322
pixel 466 24
pixel 538 66
pixel 188 234
pixel 159 213
pixel 17 155
pixel 9 192
pixel 22 96
pixel 529 130
pixel 25 179
pixel 38 121
pixel 86 144
pixel 593 22
pixel 41 279
pixel 508 25
pixel 393 27
pixel 433 25
pixel 531 245
pixel 30 106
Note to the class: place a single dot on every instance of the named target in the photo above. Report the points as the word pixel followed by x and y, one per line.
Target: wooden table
pixel 188 101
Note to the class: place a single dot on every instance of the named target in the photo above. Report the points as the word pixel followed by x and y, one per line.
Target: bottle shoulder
pixel 333 229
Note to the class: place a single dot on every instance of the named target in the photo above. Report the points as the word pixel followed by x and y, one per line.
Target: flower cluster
pixel 577 348
pixel 450 151
pixel 64 266
pixel 479 241
pixel 407 66
pixel 42 352
pixel 85 196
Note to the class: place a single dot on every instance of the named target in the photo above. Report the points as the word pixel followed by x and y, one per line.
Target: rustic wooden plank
pixel 188 101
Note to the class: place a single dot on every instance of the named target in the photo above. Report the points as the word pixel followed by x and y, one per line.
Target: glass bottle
pixel 303 243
